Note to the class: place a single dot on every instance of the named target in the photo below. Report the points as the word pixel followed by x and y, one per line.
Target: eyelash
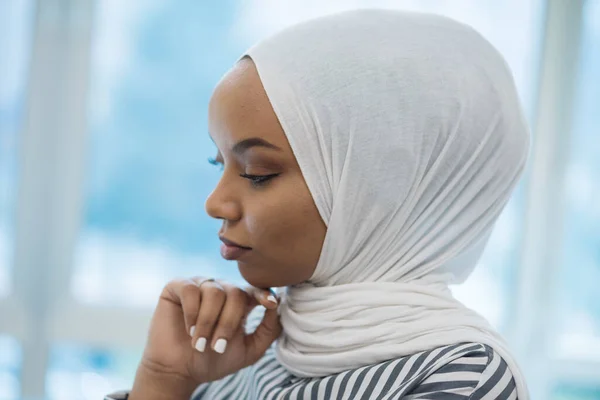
pixel 216 163
pixel 255 180
pixel 258 180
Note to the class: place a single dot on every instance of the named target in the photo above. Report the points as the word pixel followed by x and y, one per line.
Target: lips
pixel 231 250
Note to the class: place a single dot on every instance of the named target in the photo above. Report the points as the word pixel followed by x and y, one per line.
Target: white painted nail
pixel 201 344
pixel 192 330
pixel 272 299
pixel 220 346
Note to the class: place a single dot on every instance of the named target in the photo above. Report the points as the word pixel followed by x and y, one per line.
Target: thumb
pixel 265 334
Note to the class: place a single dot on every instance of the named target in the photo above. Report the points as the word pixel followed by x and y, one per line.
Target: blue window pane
pixel 148 176
pixel 154 66
pixel 569 391
pixel 15 34
pixel 579 296
pixel 79 372
pixel 10 368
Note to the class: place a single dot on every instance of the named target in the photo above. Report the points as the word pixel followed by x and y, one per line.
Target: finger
pixel 231 318
pixel 185 293
pixel 190 303
pixel 212 299
pixel 265 334
pixel 265 297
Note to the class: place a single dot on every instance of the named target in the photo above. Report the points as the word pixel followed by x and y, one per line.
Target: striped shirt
pixel 461 371
pixel 470 371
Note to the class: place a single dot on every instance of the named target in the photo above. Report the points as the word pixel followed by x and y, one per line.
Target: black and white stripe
pixel 463 371
pixel 466 371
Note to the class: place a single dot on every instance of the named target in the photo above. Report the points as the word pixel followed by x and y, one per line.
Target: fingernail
pixel 192 330
pixel 201 344
pixel 272 299
pixel 220 346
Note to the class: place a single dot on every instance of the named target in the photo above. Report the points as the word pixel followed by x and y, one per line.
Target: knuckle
pixel 227 328
pixel 204 322
pixel 214 291
pixel 237 295
pixel 189 289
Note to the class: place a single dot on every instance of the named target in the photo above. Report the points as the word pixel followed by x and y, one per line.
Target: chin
pixel 259 277
pixel 254 276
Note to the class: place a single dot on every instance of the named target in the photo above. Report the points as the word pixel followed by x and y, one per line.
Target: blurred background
pixel 104 173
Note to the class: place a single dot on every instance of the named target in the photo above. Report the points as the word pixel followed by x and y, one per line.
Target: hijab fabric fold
pixel 409 133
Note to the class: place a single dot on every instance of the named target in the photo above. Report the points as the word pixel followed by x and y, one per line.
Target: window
pixel 147 176
pixel 144 219
pixel 579 301
pixel 569 392
pixel 79 371
pixel 127 101
pixel 15 31
pixel 10 368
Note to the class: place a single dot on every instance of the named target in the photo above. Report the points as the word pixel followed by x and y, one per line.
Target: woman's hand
pixel 197 335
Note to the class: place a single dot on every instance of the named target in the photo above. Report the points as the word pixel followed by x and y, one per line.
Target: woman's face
pixel 262 197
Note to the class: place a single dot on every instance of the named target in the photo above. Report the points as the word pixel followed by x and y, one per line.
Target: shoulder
pixel 464 371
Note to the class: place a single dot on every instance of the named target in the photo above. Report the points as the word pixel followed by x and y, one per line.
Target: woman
pixel 366 158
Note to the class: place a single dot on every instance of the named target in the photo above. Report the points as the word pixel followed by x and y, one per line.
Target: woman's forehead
pixel 239 108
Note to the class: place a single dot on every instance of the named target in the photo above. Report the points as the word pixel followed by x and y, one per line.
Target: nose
pixel 223 204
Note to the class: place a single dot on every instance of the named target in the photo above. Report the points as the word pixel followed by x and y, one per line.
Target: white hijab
pixel 410 136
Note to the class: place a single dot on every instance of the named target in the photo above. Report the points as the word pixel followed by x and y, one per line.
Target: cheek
pixel 279 221
pixel 286 227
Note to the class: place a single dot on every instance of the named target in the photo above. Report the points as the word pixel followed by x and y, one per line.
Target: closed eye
pixel 258 180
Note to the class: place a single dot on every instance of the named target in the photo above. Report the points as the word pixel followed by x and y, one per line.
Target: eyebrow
pixel 243 145
pixel 240 147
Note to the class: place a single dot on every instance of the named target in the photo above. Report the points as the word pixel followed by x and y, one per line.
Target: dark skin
pixel 274 216
pixel 197 330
